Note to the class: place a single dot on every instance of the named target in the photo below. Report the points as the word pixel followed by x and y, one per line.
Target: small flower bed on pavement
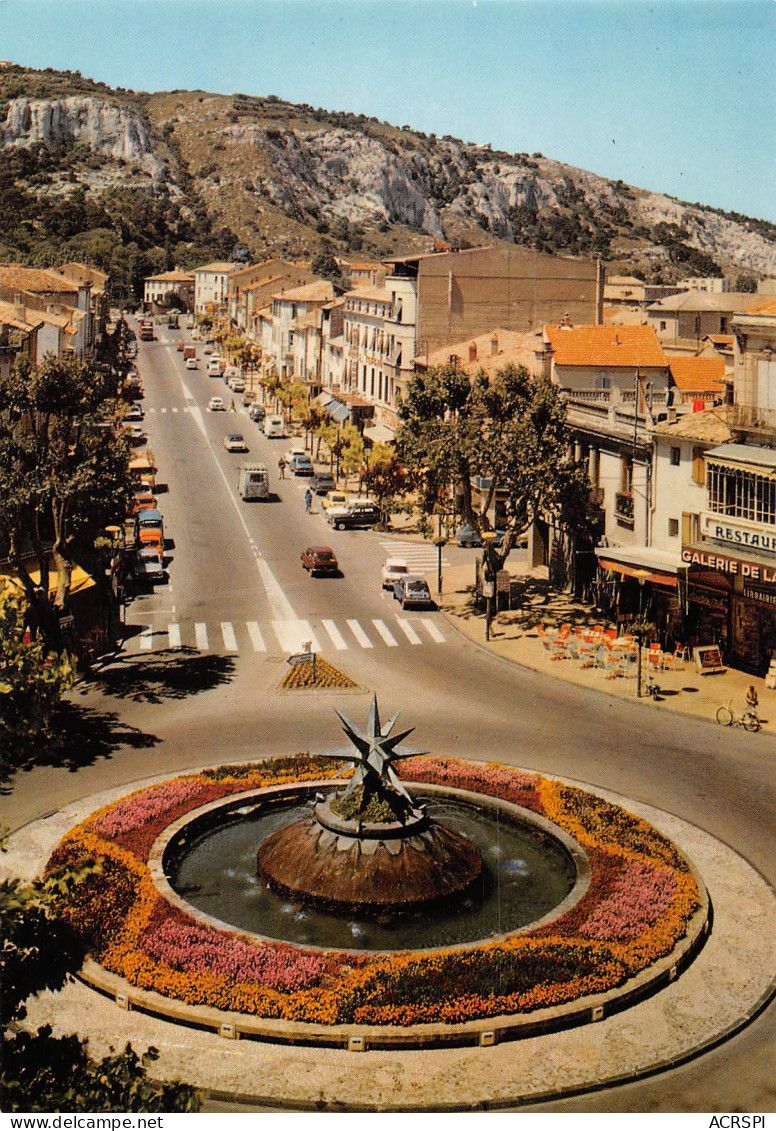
pixel 314 675
pixel 641 897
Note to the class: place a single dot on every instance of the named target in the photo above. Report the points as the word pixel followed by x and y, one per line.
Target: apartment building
pixel 366 317
pixel 211 286
pixel 291 332
pixel 18 336
pixel 157 288
pixel 47 292
pixel 250 288
pixel 688 317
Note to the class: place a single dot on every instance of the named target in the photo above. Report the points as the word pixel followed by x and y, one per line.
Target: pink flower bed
pixel 637 899
pixel 147 807
pixel 194 948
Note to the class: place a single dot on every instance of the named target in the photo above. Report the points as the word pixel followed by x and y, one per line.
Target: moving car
pixel 319 559
pixel 236 384
pixel 214 367
pixel 334 502
pixel 412 590
pixel 323 482
pixel 148 565
pixel 253 481
pixel 216 404
pixel 179 347
pixel 467 536
pixel 235 442
pixel 393 569
pixel 208 349
pixel 257 412
pixel 191 363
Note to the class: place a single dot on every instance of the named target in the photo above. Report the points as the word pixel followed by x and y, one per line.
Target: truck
pixel 274 426
pixel 189 351
pixel 146 329
pixel 253 481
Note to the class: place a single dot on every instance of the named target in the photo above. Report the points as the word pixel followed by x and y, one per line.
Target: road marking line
pixel 257 640
pixel 200 634
pixel 432 630
pixel 174 635
pixel 175 410
pixel 163 410
pixel 408 631
pixel 146 641
pixel 293 633
pixel 359 634
pixel 227 632
pixel 152 411
pixel 337 639
pixel 386 633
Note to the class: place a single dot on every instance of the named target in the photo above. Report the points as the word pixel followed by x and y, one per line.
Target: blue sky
pixel 672 95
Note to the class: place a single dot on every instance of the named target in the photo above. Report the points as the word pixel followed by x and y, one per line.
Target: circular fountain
pixel 370 849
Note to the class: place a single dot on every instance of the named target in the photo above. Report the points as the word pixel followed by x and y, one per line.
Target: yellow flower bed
pixel 314 675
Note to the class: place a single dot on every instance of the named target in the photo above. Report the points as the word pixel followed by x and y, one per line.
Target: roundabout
pixel 627 950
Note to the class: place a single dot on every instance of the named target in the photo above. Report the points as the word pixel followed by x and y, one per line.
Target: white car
pixel 236 384
pixel 191 363
pixel 392 569
pixel 134 412
pixel 214 367
pixel 216 404
pixel 235 442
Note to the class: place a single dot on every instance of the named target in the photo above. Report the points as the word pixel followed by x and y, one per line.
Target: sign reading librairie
pixel 708 659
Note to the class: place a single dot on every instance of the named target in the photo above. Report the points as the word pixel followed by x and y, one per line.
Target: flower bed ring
pixel 300 995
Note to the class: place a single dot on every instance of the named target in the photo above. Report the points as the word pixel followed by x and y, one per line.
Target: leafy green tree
pixel 63 474
pixel 32 679
pixel 325 264
pixel 510 431
pixel 385 479
pixel 352 455
pixel 41 1072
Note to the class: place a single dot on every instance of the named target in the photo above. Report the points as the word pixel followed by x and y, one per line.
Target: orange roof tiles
pixel 767 307
pixel 35 280
pixel 608 346
pixel 698 374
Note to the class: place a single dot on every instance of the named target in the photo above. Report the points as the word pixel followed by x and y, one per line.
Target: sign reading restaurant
pixel 741 534
pixel 723 563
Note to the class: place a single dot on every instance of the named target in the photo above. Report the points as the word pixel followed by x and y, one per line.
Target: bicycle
pixel 726 717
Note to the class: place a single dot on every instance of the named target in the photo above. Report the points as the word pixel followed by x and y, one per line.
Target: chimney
pixel 494 345
pixel 472 351
pixel 19 311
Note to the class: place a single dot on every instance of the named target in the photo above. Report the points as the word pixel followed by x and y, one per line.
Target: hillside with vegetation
pixel 138 182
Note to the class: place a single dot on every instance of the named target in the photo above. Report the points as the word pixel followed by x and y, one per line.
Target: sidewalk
pixel 513 635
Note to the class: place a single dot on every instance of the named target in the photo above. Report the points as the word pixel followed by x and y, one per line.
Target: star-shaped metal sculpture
pixel 375 753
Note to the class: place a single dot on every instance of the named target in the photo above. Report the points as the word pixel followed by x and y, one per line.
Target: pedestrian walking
pixel 308 499
pixel 232 407
pixel 282 467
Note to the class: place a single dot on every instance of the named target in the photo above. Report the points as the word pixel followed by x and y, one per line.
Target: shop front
pixel 646 590
pixel 732 602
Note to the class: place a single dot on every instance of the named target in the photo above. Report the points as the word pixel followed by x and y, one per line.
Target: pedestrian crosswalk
pixel 289 636
pixel 419 556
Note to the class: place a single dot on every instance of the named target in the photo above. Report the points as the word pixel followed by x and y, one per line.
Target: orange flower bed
pixel 315 675
pixel 640 900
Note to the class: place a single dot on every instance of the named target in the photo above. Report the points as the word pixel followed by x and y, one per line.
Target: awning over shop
pixel 380 434
pixel 323 400
pixel 79 580
pixel 642 563
pixel 338 411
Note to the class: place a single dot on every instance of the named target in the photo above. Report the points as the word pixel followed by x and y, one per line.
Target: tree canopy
pixel 509 431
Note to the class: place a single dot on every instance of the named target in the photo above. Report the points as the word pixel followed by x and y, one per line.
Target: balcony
pixel 623 509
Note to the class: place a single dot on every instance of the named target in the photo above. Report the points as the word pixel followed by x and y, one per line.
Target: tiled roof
pixel 710 427
pixel 34 280
pixel 20 319
pixel 371 294
pixel 264 282
pixel 322 291
pixel 698 374
pixel 767 307
pixel 726 303
pixel 607 346
pixel 494 350
pixel 171 277
pixel 218 268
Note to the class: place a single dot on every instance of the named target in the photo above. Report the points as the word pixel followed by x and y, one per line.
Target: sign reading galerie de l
pixel 725 563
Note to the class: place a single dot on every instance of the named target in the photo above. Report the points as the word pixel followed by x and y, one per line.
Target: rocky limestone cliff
pixel 108 129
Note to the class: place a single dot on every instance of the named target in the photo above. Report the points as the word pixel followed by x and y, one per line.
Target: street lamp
pixel 439 543
pixel 489 583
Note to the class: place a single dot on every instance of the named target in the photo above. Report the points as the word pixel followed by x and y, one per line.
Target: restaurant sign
pixel 745 536
pixel 732 567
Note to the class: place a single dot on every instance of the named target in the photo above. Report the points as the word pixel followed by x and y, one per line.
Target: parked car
pixel 334 503
pixel 319 559
pixel 216 404
pixel 143 500
pixel 134 412
pixel 412 590
pixel 301 464
pixel 136 434
pixel 235 442
pixel 392 570
pixel 323 482
pixel 191 363
pixel 257 412
pixel 179 346
pixel 148 565
pixel 150 536
pixel 359 512
pixel 467 536
pixel 208 349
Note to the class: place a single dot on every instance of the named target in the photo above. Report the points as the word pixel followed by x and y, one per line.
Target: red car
pixel 319 559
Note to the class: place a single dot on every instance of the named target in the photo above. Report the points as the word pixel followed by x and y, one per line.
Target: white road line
pixel 163 410
pixel 432 630
pixel 174 635
pixel 175 410
pixel 146 641
pixel 408 631
pixel 227 632
pixel 152 411
pixel 292 634
pixel 359 634
pixel 200 635
pixel 337 639
pixel 257 640
pixel 386 634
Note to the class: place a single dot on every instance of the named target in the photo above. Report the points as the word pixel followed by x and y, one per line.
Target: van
pixel 253 481
pixel 274 426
